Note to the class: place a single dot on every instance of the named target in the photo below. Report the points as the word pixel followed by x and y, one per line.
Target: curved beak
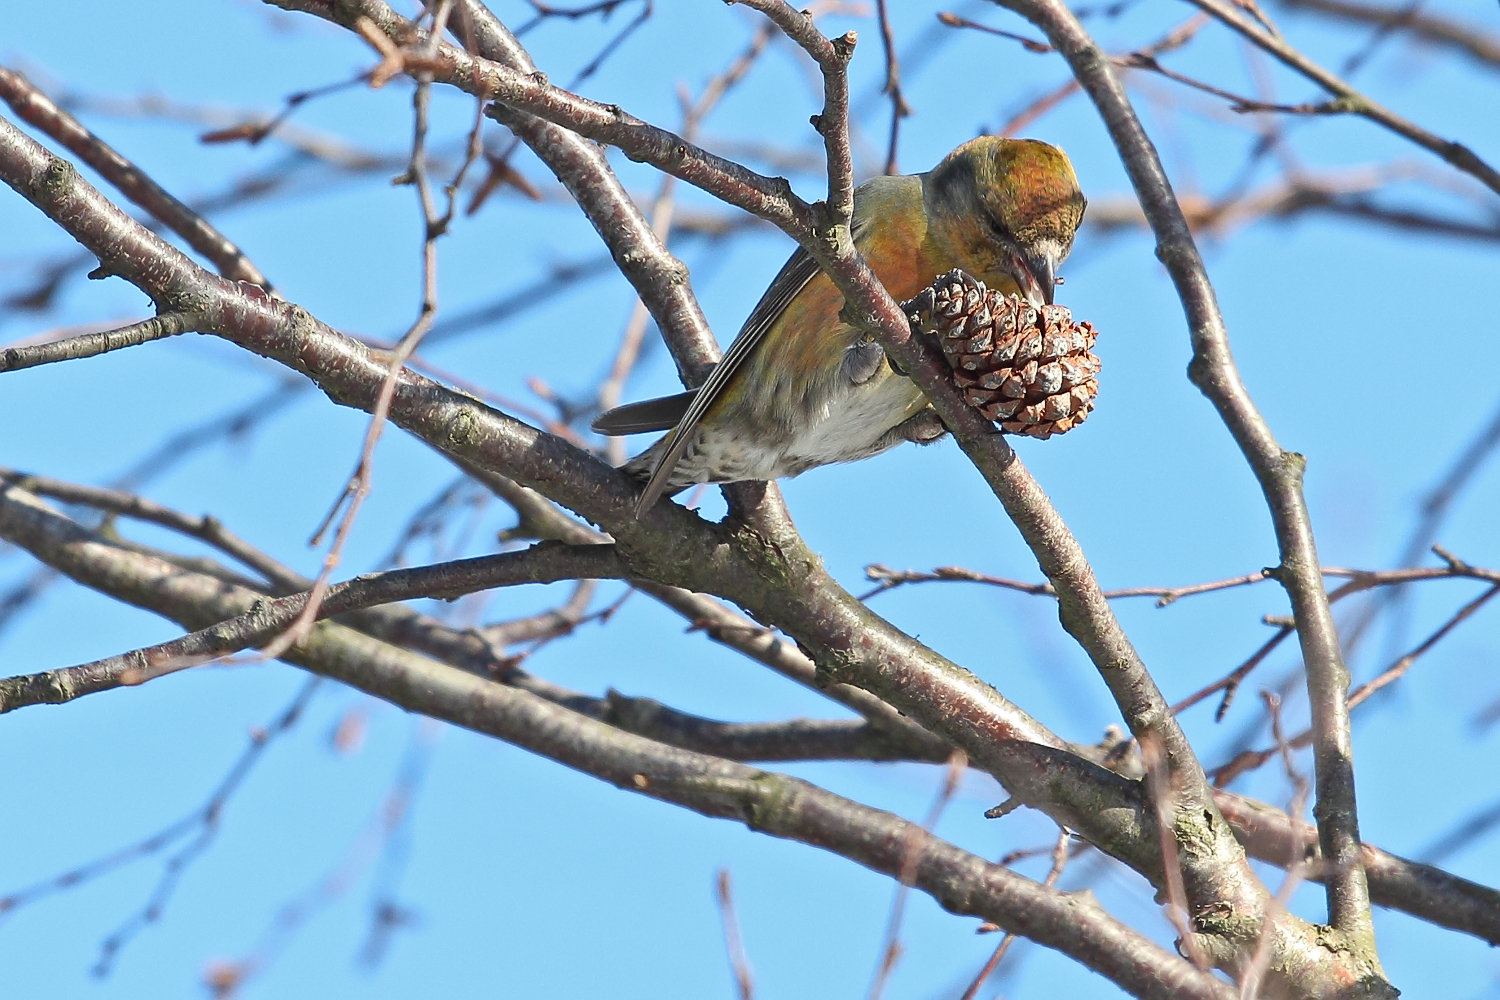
pixel 1036 274
pixel 1043 268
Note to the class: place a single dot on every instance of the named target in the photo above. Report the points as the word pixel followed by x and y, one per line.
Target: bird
pixel 799 388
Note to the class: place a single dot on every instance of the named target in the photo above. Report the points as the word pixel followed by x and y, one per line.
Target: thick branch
pixel 766 569
pixel 544 520
pixel 1279 472
pixel 265 621
pixel 1421 890
pixel 34 107
pixel 767 802
pixel 660 279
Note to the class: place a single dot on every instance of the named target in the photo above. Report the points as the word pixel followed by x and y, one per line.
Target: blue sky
pixel 1371 352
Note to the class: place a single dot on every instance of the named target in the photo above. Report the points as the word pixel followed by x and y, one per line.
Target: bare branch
pixel 1460 36
pixel 743 982
pixel 770 803
pixel 670 545
pixel 891 578
pixel 90 344
pixel 266 621
pixel 890 948
pixel 663 215
pixel 1347 100
pixel 1296 867
pixel 34 107
pixel 1429 893
pixel 224 979
pixel 1230 682
pixel 832 123
pixel 1279 473
pixel 899 108
pixel 198 828
pixel 1059 859
pixel 1421 890
pixel 660 279
pixel 206 528
pixel 1248 760
pixel 1164 802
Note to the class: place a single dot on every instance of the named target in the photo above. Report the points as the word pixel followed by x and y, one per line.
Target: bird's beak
pixel 1043 268
pixel 1036 276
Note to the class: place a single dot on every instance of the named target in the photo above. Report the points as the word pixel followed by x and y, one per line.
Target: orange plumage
pixel 799 388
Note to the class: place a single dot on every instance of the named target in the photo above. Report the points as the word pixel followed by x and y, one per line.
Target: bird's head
pixel 1007 209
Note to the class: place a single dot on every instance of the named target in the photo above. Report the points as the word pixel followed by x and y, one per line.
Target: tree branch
pixel 1424 891
pixel 669 544
pixel 1279 473
pixel 546 562
pixel 34 107
pixel 660 279
pixel 1459 36
pixel 766 802
pixel 765 568
pixel 88 345
pixel 832 123
pixel 1350 101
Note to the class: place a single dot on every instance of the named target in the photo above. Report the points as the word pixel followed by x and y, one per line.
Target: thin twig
pixel 1396 670
pixel 258 129
pixel 206 528
pixel 1249 760
pixel 34 107
pixel 1296 867
pixel 88 345
pixel 1059 860
pixel 890 579
pixel 1437 504
pixel 911 851
pixel 892 87
pixel 662 218
pixel 744 983
pixel 268 624
pixel 1164 803
pixel 1347 100
pixel 1461 36
pixel 661 280
pixel 202 823
pixel 357 488
pixel 1230 682
pixel 1466 833
pixel 224 979
pixel 1029 44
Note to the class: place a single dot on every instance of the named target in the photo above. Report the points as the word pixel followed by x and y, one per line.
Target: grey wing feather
pixel 791 279
pixel 648 415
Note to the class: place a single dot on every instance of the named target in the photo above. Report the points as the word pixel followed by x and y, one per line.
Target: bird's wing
pixel 648 415
pixel 790 280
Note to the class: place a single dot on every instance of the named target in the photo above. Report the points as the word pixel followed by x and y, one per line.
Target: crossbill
pixel 800 388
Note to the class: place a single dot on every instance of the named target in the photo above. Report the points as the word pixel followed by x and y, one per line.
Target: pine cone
pixel 1031 371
